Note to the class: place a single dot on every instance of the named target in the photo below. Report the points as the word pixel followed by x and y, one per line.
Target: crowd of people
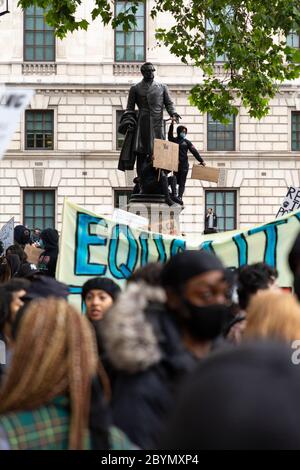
pixel 189 355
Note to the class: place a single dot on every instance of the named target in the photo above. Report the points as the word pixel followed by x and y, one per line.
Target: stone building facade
pixel 84 89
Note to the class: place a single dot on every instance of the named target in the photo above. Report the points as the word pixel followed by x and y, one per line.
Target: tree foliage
pixel 249 34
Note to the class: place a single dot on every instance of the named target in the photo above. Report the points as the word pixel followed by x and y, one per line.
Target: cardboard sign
pixel 12 102
pixel 7 234
pixel 124 217
pixel 205 173
pixel 291 202
pixel 165 155
pixel 33 253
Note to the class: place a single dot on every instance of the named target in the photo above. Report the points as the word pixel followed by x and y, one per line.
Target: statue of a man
pixel 151 98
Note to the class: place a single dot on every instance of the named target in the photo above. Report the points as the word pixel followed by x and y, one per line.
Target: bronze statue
pixel 142 128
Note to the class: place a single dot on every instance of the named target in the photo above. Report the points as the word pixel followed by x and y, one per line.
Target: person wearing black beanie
pixel 99 294
pixel 196 289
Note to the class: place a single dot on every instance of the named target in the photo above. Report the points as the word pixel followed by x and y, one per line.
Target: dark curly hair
pixel 252 278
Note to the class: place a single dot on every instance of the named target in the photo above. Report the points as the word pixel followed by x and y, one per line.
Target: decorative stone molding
pixel 126 69
pixel 38 68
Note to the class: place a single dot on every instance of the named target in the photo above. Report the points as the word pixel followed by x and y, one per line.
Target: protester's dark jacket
pixel 127 127
pixel 184 146
pixel 48 259
pixel 144 345
pixel 215 221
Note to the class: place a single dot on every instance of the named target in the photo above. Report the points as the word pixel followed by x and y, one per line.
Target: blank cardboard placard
pixel 165 155
pixel 205 173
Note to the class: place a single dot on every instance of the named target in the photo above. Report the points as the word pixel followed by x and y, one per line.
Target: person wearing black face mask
pixel 154 339
pixel 196 294
pixel 185 145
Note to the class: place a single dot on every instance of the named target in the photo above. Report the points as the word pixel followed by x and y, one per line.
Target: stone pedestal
pixel 162 218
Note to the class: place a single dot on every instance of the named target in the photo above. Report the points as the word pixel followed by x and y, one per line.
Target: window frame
pixel 234 134
pixel 294 112
pixel 34 217
pixel 215 192
pixel 44 111
pixel 34 31
pixel 115 37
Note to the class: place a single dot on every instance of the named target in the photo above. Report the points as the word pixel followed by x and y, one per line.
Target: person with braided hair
pixel 52 367
pixel 46 396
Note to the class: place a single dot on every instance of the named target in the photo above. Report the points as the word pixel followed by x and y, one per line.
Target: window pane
pixel 129 53
pixel 30 141
pixel 49 53
pixel 229 197
pixel 139 54
pixel 28 197
pixel 39 39
pixel 28 222
pixel 230 224
pixel 120 53
pixel 49 197
pixel 39 22
pixel 39 53
pixel 229 211
pixel 39 211
pixel 29 53
pixel 39 222
pixel 210 199
pixel 120 39
pixel 28 211
pixel 220 198
pixel 49 38
pixel 220 211
pixel 38 197
pixel 48 211
pixel 29 39
pixel 139 39
pixel 49 222
pixel 129 39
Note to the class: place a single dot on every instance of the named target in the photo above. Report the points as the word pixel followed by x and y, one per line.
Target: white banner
pixel 291 202
pixel 12 102
pixel 7 234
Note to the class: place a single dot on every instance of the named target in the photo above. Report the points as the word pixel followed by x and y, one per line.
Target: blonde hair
pixel 273 314
pixel 55 354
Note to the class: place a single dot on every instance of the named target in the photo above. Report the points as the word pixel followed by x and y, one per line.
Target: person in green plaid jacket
pixel 45 398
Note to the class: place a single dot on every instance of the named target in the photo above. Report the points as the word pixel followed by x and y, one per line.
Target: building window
pixel 220 136
pixel 39 130
pixel 130 46
pixel 293 40
pixel 224 206
pixel 119 137
pixel 122 197
pixel 39 39
pixel 295 130
pixel 211 31
pixel 39 209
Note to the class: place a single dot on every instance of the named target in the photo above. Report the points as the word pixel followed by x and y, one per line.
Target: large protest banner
pixel 92 245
